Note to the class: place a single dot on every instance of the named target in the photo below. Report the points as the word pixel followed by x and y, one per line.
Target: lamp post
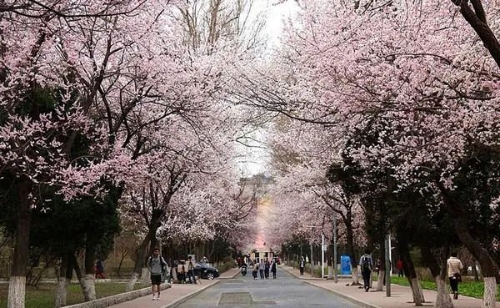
pixel 322 255
pixel 335 275
pixel 388 265
pixel 312 252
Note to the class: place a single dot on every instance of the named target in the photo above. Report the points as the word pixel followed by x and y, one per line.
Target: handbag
pixel 458 277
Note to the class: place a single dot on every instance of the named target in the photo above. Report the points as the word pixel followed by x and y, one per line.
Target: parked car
pixel 205 271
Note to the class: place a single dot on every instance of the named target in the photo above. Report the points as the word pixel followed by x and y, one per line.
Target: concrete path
pixel 178 293
pixel 401 297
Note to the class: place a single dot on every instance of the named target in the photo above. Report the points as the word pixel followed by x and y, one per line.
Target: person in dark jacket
pixel 99 269
pixel 273 268
pixel 302 265
pixel 190 270
pixel 366 264
pixel 267 266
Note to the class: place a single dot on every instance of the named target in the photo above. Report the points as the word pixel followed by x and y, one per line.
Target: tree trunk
pixel 474 270
pixel 62 283
pixel 355 278
pixel 381 270
pixel 88 287
pixel 416 290
pixel 488 267
pixel 132 281
pixel 411 273
pixel 88 282
pixel 144 276
pixel 61 291
pixel 478 22
pixel 443 299
pixel 81 279
pixel 76 267
pixel 140 259
pixel 17 281
pixel 121 263
pixel 490 292
pixel 380 281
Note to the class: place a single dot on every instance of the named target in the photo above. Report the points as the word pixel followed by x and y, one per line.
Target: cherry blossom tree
pixel 42 117
pixel 428 103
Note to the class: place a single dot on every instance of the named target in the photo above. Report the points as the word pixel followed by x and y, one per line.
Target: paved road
pixel 286 291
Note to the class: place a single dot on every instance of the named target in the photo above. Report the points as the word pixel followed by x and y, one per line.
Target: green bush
pixel 224 266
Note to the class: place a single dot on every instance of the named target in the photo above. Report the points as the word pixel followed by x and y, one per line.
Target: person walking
pixel 99 269
pixel 366 268
pixel 181 272
pixel 156 266
pixel 454 266
pixel 267 267
pixel 302 266
pixel 261 268
pixel 255 269
pixel 399 267
pixel 190 270
pixel 273 269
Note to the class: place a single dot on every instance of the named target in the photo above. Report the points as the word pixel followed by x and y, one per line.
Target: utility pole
pixel 335 274
pixel 388 265
pixel 311 259
pixel 323 248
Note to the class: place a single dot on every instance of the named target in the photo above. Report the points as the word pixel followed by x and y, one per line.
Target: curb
pixel 351 299
pixel 116 299
pixel 231 277
pixel 189 296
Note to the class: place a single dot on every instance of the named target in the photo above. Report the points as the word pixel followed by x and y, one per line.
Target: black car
pixel 205 271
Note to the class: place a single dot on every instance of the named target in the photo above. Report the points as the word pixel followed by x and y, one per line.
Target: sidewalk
pixel 401 297
pixel 177 294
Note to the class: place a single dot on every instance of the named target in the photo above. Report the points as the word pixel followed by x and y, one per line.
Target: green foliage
pixel 43 297
pixel 87 222
pixel 467 288
pixel 225 266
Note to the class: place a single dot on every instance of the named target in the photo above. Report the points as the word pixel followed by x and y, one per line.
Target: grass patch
pixel 467 288
pixel 44 296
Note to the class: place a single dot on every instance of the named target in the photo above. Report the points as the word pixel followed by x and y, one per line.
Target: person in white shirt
pixel 454 265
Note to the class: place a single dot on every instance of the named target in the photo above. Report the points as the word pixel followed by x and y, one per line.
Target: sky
pixel 275 13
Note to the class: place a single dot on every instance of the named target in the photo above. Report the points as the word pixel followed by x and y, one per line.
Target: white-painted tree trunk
pixel 380 281
pixel 146 277
pixel 88 285
pixel 355 278
pixel 61 291
pixel 443 299
pixel 418 294
pixel 17 291
pixel 132 281
pixel 330 272
pixel 490 292
pixel 174 274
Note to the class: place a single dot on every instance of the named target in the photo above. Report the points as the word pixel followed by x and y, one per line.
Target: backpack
pixel 366 264
pixel 162 262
